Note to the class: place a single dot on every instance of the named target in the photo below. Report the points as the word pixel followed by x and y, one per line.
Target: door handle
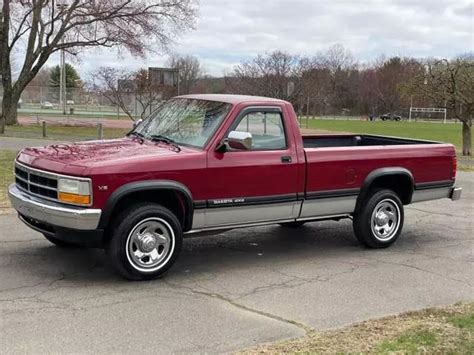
pixel 286 159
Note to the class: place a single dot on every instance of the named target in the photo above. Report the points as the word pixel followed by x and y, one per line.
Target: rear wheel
pixel 379 219
pixel 145 242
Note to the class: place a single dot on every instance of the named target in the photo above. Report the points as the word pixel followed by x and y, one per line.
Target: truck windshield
pixel 184 121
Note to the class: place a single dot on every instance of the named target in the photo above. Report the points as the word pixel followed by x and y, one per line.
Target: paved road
pixel 12 143
pixel 233 290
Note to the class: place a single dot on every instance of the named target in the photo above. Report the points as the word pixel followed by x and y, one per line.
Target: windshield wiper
pixel 166 140
pixel 136 134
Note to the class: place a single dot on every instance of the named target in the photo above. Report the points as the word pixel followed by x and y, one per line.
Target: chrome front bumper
pixel 53 213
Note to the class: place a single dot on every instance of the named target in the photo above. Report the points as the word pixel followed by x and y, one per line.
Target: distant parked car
pixel 70 102
pixel 390 117
pixel 46 105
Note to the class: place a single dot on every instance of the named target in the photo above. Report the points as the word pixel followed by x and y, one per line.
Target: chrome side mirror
pixel 239 140
pixel 137 122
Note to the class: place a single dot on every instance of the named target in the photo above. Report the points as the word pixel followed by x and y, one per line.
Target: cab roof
pixel 232 99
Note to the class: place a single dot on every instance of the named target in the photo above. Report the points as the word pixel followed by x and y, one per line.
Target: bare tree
pixel 265 75
pixel 116 86
pixel 132 92
pixel 44 27
pixel 343 69
pixel 313 86
pixel 189 70
pixel 450 83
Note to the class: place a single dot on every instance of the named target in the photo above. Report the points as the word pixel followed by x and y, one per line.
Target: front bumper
pixel 54 214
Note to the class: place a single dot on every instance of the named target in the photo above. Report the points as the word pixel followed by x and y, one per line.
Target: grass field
pixel 66 133
pixel 6 176
pixel 450 133
pixel 447 330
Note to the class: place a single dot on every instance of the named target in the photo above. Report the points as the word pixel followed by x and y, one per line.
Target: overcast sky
pixel 228 32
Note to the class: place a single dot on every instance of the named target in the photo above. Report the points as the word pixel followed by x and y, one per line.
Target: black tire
pixel 125 246
pixel 370 228
pixel 292 224
pixel 60 243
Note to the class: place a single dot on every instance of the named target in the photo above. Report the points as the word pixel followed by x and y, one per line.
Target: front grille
pixel 36 182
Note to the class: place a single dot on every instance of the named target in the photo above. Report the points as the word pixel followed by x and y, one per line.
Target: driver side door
pixel 255 185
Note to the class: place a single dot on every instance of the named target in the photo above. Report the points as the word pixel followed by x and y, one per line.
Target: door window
pixel 267 129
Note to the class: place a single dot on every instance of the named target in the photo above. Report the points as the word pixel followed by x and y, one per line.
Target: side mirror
pixel 239 140
pixel 137 122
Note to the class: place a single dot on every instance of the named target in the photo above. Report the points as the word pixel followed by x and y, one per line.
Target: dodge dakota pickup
pixel 204 163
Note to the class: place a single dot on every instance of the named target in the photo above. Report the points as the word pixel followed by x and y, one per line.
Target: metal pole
pixel 64 81
pixel 61 78
pixel 100 131
pixel 177 73
pixel 409 115
pixel 44 128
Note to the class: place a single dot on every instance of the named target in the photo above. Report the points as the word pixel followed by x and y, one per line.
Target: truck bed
pixel 351 140
pixel 338 165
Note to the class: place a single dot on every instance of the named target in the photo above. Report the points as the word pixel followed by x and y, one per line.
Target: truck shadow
pixel 222 253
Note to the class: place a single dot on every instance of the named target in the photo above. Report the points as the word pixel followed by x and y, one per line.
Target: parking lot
pixel 234 290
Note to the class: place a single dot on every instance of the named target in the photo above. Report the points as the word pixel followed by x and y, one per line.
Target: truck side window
pixel 267 130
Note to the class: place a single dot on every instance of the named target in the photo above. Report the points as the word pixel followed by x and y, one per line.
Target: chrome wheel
pixel 385 220
pixel 150 244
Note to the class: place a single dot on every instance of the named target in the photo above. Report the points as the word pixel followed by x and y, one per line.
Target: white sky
pixel 228 32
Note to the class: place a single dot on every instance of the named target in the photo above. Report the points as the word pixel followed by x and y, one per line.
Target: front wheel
pixel 379 219
pixel 145 242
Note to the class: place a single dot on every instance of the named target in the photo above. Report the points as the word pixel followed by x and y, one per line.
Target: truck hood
pixel 75 158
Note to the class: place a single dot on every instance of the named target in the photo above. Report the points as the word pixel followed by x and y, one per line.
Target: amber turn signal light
pixel 73 198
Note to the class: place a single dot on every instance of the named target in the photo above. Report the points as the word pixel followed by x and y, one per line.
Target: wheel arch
pixel 398 179
pixel 171 194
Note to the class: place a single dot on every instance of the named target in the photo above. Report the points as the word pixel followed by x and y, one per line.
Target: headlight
pixel 73 191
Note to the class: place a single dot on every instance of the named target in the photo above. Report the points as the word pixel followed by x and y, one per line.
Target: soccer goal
pixel 427 113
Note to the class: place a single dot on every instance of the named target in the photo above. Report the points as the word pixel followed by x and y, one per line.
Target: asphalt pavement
pixel 233 290
pixel 13 143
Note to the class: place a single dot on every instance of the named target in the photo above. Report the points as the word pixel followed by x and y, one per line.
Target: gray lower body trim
pixel 328 206
pixel 430 194
pixel 236 215
pixel 453 193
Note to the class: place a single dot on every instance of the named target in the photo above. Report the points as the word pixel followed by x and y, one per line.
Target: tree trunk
pixel 466 137
pixel 10 107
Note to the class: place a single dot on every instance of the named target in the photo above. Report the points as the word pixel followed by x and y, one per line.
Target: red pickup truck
pixel 203 163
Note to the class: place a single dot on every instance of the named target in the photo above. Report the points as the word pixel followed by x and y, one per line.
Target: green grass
pixel 412 342
pixel 445 330
pixel 463 321
pixel 449 133
pixel 66 133
pixel 6 176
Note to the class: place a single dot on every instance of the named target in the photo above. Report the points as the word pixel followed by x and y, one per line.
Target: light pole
pixel 62 70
